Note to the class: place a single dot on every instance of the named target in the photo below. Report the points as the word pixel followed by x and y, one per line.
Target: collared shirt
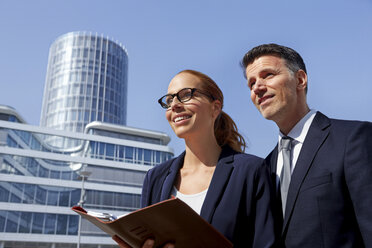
pixel 298 134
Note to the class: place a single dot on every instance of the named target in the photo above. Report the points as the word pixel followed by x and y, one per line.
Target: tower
pixel 86 81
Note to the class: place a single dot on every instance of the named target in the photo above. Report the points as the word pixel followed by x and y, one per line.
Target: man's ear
pixel 301 79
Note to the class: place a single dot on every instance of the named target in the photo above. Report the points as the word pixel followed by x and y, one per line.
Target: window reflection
pixel 67 197
pixel 11 223
pixel 61 224
pixel 28 222
pixel 25 222
pixel 37 222
pixel 50 224
pixel 52 198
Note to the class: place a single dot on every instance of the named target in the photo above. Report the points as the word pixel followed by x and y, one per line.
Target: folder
pixel 171 220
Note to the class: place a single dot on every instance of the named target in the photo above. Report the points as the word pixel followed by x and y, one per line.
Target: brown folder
pixel 169 220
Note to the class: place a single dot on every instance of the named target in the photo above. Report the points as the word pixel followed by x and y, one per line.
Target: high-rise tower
pixel 86 81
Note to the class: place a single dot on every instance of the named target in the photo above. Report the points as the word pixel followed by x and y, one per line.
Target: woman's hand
pixel 149 243
pixel 121 243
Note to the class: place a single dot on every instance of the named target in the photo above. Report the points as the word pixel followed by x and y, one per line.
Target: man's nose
pixel 259 86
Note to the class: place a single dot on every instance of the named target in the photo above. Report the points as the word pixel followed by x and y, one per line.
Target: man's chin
pixel 266 114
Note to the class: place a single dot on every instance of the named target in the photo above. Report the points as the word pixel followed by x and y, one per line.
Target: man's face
pixel 273 88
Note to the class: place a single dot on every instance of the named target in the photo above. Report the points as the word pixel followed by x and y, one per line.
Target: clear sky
pixel 164 37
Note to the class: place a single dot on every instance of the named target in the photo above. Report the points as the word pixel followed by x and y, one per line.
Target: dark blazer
pixel 238 199
pixel 329 200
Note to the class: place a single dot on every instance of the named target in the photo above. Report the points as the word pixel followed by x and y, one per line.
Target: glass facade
pixel 86 81
pixel 40 182
pixel 83 116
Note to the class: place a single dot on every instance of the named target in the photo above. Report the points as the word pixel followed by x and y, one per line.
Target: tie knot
pixel 286 143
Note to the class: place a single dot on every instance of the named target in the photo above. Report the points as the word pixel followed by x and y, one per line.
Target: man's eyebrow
pixel 266 69
pixel 249 79
pixel 263 70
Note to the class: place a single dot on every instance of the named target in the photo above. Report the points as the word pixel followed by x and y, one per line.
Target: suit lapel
pixel 171 177
pixel 272 160
pixel 315 137
pixel 217 186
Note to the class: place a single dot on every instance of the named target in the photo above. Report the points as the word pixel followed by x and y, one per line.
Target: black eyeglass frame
pixel 193 90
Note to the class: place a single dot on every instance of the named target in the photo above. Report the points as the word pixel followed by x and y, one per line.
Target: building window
pixel 38 223
pixel 61 224
pixel 50 224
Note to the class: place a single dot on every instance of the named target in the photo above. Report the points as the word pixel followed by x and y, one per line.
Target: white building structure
pixel 39 181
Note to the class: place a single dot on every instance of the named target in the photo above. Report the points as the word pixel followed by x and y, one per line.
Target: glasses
pixel 183 95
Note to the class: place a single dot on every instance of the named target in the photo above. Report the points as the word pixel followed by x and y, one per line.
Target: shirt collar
pixel 299 131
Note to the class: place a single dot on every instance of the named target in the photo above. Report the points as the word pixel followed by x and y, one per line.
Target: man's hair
pixel 293 60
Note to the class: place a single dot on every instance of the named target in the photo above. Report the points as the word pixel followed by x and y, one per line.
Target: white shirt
pixel 298 134
pixel 195 201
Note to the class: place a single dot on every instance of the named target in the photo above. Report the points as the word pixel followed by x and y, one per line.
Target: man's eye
pixel 251 84
pixel 269 74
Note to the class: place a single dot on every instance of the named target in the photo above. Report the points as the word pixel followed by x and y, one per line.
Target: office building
pixel 81 153
pixel 39 182
pixel 86 81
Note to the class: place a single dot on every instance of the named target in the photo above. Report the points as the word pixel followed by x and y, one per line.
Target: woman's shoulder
pixel 248 156
pixel 163 168
pixel 248 162
pixel 240 159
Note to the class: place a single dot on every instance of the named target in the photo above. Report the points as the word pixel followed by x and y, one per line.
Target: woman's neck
pixel 199 164
pixel 202 151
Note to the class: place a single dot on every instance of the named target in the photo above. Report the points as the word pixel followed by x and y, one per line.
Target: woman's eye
pixel 169 100
pixel 185 96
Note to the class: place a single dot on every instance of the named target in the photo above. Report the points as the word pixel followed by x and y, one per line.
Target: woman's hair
pixel 225 129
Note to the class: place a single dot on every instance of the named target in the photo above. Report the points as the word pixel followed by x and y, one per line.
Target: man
pixel 324 174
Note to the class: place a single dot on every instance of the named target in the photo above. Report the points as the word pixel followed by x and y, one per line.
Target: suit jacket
pixel 329 202
pixel 238 199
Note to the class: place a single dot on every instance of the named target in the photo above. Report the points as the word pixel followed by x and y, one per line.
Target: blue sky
pixel 163 37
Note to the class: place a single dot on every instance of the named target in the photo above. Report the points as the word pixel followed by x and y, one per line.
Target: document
pixel 169 220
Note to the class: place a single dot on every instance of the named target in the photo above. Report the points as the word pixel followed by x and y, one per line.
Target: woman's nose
pixel 175 103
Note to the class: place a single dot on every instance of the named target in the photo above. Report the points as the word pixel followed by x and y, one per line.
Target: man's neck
pixel 288 123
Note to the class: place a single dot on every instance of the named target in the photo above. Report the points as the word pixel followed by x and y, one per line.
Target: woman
pixel 229 189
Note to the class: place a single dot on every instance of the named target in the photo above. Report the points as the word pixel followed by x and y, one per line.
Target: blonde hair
pixel 225 129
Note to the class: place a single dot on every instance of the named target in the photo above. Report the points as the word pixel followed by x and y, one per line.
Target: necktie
pixel 285 177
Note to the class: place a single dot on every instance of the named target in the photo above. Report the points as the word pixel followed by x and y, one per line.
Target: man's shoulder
pixel 335 125
pixel 272 155
pixel 341 122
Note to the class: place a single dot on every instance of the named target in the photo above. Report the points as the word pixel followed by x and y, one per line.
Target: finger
pixel 149 243
pixel 121 243
pixel 169 245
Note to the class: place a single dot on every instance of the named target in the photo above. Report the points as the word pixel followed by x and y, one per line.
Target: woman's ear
pixel 217 108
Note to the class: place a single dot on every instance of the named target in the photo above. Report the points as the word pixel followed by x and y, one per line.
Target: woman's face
pixel 194 117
